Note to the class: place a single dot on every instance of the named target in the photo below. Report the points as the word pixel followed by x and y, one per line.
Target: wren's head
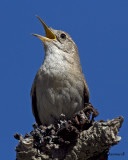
pixel 59 42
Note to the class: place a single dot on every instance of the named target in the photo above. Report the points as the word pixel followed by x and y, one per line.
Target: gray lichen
pixel 90 144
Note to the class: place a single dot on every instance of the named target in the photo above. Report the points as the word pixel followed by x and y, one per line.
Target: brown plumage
pixel 59 86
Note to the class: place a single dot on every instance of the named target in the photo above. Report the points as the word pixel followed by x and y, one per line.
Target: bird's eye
pixel 63 36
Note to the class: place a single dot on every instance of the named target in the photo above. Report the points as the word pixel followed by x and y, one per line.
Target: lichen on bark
pixel 80 138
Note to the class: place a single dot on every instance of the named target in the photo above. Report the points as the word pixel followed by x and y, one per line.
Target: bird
pixel 59 86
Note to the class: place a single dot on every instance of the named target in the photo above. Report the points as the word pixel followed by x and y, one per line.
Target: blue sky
pixel 100 30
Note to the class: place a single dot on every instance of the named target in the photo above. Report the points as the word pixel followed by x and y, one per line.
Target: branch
pixel 77 139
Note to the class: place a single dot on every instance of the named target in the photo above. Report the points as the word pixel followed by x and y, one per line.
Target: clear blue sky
pixel 100 30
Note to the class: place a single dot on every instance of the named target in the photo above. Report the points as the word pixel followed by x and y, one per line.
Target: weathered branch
pixel 92 143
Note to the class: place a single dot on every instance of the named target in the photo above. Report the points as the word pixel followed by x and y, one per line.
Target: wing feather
pixel 34 103
pixel 86 92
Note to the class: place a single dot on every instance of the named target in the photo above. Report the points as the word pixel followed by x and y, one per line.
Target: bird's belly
pixel 57 95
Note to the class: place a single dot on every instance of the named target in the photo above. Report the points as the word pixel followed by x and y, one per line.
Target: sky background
pixel 100 30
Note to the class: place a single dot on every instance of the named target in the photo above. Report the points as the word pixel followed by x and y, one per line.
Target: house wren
pixel 59 85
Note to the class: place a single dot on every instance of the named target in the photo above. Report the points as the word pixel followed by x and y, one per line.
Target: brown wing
pixel 86 92
pixel 34 103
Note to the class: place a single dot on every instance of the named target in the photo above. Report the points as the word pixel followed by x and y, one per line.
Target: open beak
pixel 49 34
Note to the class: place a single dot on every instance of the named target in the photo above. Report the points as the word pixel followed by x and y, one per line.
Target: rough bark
pixel 73 141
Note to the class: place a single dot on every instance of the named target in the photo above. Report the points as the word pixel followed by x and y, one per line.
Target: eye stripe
pixel 58 39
